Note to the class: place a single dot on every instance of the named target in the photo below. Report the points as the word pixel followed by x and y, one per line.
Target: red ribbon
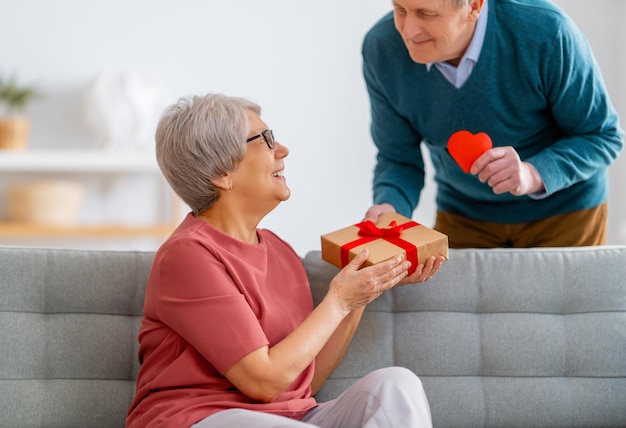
pixel 369 232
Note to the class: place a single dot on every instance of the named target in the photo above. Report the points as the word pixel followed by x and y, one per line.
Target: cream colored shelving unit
pixel 94 164
pixel 69 161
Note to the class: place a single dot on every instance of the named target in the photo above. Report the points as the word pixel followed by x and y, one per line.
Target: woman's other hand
pixel 425 271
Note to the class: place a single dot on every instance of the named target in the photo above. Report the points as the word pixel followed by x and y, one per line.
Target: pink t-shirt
pixel 210 301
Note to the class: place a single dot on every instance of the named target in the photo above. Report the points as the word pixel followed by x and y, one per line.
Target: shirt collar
pixel 476 44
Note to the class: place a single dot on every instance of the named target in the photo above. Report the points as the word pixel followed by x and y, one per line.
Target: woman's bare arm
pixel 267 372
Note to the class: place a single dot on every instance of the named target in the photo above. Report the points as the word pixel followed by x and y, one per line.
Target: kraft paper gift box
pixel 392 234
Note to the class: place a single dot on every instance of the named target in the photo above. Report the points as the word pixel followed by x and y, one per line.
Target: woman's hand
pixel 424 272
pixel 356 286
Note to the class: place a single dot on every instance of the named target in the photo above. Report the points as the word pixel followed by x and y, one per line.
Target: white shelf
pixel 77 161
pixel 13 229
pixel 100 164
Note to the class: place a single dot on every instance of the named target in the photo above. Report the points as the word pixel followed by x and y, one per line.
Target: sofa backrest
pixel 502 337
pixel 499 337
pixel 68 336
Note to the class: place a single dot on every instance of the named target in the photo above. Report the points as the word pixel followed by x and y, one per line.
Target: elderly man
pixel 522 73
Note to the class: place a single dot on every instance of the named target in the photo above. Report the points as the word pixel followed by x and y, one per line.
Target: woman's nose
pixel 281 151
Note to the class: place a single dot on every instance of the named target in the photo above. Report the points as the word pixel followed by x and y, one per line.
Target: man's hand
pixel 375 211
pixel 503 170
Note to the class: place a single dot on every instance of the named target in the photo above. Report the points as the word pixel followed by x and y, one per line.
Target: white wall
pixel 300 61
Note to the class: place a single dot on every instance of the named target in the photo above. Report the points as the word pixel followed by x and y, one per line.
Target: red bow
pixel 369 232
pixel 367 228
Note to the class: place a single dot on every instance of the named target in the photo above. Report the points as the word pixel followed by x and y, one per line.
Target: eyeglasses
pixel 268 136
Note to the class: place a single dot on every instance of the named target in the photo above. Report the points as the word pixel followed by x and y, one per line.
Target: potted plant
pixel 14 125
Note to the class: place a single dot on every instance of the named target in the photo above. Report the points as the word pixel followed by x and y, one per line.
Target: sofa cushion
pixel 502 337
pixel 68 335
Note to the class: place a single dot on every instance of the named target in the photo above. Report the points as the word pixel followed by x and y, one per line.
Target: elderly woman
pixel 230 337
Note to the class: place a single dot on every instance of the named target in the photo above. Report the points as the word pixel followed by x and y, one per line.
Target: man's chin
pixel 421 58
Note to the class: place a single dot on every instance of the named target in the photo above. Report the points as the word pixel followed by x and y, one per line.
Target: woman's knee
pixel 399 378
pixel 399 374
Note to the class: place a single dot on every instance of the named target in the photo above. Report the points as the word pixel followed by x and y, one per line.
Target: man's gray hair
pixel 460 3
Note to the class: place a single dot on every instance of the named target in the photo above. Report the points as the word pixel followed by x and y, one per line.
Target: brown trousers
pixel 575 229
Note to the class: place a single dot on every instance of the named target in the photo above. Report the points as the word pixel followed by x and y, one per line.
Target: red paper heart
pixel 465 147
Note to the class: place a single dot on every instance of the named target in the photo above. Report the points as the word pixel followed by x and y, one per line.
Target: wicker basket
pixel 50 202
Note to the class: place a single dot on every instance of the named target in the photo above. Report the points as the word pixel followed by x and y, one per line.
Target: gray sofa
pixel 500 338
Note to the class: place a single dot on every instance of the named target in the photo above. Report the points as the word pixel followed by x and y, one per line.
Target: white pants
pixel 390 397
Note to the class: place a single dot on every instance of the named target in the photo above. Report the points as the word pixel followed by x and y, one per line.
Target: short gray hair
pixel 201 138
pixel 459 3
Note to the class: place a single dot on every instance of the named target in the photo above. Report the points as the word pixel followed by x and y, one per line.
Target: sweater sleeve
pixel 591 137
pixel 399 172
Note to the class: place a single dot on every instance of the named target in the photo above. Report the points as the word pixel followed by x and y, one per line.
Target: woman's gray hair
pixel 201 138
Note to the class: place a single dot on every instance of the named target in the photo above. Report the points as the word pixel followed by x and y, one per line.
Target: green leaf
pixel 14 96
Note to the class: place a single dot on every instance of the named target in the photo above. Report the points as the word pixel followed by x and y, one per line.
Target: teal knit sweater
pixel 536 87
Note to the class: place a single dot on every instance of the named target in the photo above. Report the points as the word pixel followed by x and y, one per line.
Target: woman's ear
pixel 225 182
